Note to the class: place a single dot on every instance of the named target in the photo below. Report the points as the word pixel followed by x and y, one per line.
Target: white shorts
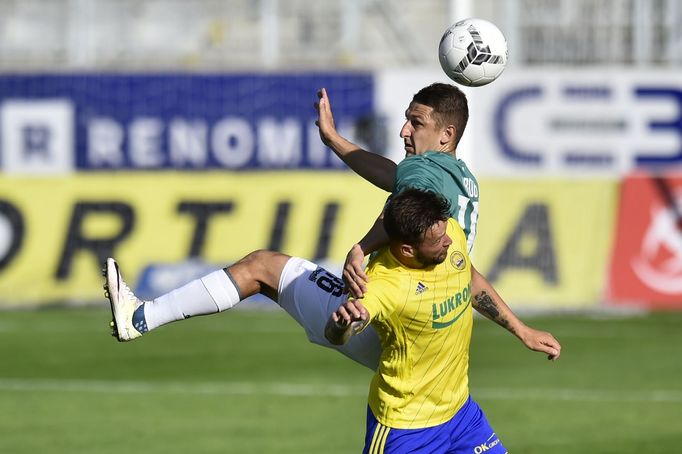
pixel 310 294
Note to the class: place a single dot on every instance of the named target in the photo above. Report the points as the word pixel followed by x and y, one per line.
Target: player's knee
pixel 248 273
pixel 252 265
pixel 262 265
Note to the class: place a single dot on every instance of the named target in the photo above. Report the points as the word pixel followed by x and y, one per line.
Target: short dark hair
pixel 449 105
pixel 409 214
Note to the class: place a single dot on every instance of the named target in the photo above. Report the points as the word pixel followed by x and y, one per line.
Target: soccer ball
pixel 473 52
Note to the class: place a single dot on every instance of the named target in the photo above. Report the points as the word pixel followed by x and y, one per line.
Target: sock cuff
pixel 222 289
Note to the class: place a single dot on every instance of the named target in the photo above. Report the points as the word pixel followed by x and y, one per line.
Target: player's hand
pixel 351 313
pixel 541 341
pixel 353 272
pixel 325 118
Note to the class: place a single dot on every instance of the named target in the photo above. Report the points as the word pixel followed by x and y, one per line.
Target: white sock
pixel 212 293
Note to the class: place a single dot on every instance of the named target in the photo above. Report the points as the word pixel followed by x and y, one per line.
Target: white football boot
pixel 128 322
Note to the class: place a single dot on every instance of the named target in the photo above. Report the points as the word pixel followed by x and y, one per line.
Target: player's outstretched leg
pixel 218 291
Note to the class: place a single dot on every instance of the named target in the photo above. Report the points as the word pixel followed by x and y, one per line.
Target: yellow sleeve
pixel 377 300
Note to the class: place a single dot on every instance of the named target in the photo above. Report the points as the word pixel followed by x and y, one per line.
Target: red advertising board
pixel 646 267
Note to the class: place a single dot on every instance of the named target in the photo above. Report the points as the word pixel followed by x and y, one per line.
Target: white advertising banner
pixel 592 122
pixel 596 122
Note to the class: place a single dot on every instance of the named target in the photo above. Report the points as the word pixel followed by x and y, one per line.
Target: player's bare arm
pixel 353 269
pixel 489 304
pixel 376 169
pixel 350 318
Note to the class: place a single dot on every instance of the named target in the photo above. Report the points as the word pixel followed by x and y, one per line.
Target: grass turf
pixel 248 381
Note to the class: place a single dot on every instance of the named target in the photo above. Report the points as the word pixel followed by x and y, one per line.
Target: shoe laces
pixel 128 292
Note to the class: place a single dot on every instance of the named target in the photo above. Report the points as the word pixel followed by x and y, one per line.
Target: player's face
pixel 434 248
pixel 420 132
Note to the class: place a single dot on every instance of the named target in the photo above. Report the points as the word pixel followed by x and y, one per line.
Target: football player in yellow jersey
pixel 419 302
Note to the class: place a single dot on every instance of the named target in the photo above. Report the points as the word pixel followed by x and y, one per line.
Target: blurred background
pixel 179 135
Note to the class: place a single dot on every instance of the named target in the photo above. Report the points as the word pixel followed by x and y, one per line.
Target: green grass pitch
pixel 248 382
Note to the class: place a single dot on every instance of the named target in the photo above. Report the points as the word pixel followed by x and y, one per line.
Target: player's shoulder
pixel 434 161
pixel 383 263
pixel 430 156
pixel 443 158
pixel 412 161
pixel 385 280
pixel 385 270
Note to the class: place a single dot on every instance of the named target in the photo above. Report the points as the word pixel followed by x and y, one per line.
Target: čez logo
pixel 600 126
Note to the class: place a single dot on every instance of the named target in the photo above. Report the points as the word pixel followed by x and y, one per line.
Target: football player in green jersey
pixel 435 121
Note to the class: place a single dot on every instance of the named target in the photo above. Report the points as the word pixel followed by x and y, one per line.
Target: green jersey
pixel 448 176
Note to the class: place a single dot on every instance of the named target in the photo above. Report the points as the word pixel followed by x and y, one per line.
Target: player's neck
pixel 452 153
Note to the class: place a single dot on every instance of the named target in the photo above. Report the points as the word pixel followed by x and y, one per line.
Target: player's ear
pixel 407 250
pixel 448 134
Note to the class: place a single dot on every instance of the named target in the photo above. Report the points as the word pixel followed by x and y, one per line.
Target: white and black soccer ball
pixel 473 52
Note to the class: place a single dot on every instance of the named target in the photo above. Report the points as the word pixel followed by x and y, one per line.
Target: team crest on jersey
pixel 457 260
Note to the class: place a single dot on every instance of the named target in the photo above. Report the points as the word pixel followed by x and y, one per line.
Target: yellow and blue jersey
pixel 424 320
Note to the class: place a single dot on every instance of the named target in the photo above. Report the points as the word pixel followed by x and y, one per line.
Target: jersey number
pixel 327 281
pixel 463 203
